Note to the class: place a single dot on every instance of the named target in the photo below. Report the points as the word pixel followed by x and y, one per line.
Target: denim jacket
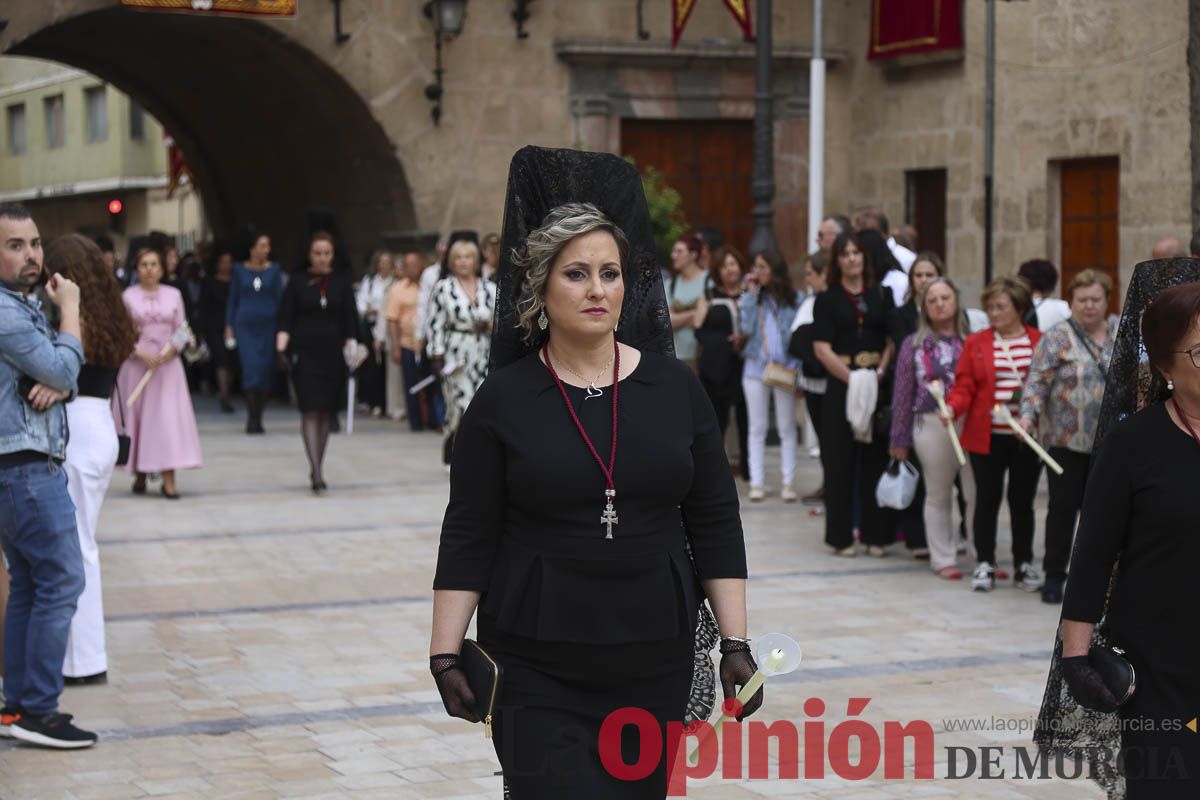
pixel 771 343
pixel 29 347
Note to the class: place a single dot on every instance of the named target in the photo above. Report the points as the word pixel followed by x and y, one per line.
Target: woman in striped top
pixel 992 372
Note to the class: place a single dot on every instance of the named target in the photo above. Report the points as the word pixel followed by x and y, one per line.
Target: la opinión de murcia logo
pixel 756 738
pixel 852 750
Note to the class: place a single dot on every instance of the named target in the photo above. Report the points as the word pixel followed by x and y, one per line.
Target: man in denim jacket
pixel 38 369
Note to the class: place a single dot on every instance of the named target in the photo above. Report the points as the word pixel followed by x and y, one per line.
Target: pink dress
pixel 161 424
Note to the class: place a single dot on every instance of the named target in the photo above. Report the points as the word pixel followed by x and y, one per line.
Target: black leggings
pixel 1066 498
pixel 1023 467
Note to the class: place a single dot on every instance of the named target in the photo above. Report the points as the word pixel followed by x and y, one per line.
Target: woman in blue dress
pixel 254 292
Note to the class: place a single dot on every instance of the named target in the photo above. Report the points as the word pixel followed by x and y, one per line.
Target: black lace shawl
pixel 1063 725
pixel 540 179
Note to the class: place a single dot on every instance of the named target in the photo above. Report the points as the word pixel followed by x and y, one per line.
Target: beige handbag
pixel 775 374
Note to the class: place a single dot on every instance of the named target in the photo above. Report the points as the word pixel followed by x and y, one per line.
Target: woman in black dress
pixel 587 599
pixel 850 332
pixel 214 298
pixel 1139 514
pixel 318 324
pixel 720 345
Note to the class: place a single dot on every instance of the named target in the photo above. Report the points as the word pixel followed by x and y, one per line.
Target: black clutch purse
pixel 484 676
pixel 1115 670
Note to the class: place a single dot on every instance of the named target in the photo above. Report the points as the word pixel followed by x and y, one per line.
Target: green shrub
pixel 666 210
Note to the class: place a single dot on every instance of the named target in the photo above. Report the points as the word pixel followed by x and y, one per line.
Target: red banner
pixel 270 8
pixel 680 11
pixel 741 12
pixel 901 27
pixel 176 165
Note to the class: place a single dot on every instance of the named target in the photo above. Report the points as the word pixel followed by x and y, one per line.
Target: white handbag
pixel 897 485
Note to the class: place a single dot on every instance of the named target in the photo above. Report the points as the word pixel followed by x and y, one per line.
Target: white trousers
pixel 91 455
pixel 758 397
pixel 940 468
pixel 393 384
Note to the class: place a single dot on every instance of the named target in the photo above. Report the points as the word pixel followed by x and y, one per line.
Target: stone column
pixel 1193 58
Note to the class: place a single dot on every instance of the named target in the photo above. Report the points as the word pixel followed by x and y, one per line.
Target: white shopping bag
pixel 897 485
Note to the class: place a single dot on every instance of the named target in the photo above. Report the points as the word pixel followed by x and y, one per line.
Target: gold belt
pixel 864 360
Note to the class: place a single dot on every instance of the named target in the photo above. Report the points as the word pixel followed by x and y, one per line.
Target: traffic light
pixel 116 215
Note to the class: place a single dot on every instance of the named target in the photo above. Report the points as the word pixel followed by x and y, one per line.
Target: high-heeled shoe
pixel 139 486
pixel 170 495
pixel 318 486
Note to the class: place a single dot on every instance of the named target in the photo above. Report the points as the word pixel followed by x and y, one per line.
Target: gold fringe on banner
pixel 267 8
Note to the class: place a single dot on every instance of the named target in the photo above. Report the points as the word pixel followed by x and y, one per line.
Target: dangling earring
pixel 616 326
pixel 543 321
pixel 1170 385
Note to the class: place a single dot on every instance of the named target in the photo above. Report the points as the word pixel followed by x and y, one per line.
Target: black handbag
pixel 881 423
pixel 485 677
pixel 122 437
pixel 1115 669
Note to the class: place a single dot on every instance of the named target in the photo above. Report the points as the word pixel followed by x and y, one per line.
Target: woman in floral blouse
pixel 931 354
pixel 1062 403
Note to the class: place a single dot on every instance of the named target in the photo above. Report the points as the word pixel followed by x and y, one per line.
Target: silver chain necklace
pixel 592 391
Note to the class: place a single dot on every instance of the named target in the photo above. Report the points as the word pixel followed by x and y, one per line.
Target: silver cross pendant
pixel 609 517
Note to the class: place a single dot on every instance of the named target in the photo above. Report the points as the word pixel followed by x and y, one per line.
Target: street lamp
pixel 447 17
pixel 762 189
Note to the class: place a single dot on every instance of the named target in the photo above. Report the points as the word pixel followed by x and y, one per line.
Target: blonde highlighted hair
pixel 536 257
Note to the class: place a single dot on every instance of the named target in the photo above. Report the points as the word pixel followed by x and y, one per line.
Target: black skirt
pixel 319 378
pixel 556 697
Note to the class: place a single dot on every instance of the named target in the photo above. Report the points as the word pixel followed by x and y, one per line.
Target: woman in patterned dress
pixel 460 324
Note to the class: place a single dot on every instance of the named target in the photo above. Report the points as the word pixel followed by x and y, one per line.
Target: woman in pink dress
pixel 161 424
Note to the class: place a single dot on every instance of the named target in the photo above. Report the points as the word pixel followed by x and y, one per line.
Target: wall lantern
pixel 447 17
pixel 520 16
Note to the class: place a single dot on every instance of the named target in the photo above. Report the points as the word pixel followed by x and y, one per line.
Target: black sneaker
pixel 51 730
pixel 1052 591
pixel 8 715
pixel 1027 577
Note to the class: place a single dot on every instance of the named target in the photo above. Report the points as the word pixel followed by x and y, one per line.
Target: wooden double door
pixel 709 162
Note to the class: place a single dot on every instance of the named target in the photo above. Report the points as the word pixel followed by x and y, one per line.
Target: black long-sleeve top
pixel 526 496
pixel 314 327
pixel 1141 506
pixel 837 320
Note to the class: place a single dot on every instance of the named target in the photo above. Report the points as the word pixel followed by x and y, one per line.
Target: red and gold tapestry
pixel 270 8
pixel 680 11
pixel 741 12
pixel 901 27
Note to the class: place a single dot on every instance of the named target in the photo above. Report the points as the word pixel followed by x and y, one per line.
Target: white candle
pixel 1006 416
pixel 939 394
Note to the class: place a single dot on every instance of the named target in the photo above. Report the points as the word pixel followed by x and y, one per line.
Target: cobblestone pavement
pixel 266 643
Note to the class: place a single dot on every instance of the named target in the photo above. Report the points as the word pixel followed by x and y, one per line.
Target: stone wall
pixel 1074 78
pixel 502 93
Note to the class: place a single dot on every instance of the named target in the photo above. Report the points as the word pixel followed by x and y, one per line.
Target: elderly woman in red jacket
pixel 992 372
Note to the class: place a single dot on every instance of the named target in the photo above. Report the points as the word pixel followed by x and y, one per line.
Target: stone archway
pixel 270 130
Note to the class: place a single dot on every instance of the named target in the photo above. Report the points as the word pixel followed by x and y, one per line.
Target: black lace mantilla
pixel 1063 725
pixel 540 179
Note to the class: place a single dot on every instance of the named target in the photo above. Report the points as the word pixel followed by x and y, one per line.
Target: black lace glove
pixel 1086 685
pixel 452 685
pixel 736 670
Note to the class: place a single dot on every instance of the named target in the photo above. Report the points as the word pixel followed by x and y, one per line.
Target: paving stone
pixel 265 643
